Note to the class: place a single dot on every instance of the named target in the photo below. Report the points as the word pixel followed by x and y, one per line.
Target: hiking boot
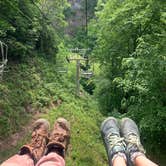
pixel 114 144
pixel 131 134
pixel 36 148
pixel 60 137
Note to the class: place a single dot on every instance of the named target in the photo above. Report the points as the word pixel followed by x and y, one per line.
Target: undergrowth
pixel 86 145
pixel 27 88
pixel 32 87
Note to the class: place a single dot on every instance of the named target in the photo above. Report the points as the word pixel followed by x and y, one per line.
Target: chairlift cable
pixel 86 16
pixel 42 13
pixel 27 17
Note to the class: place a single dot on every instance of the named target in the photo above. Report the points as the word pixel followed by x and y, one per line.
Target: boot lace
pixel 134 143
pixel 37 139
pixel 60 137
pixel 115 140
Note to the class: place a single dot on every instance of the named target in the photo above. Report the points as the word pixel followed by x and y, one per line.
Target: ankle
pixel 119 155
pixel 134 155
pixel 119 159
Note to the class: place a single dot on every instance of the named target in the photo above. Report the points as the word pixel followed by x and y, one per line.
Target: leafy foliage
pixel 28 25
pixel 130 49
pixel 36 88
pixel 128 43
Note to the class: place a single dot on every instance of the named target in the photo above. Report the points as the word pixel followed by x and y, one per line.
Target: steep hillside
pixel 44 92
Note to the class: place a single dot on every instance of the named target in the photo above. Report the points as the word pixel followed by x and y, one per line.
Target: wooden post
pixel 78 77
pixel 77 73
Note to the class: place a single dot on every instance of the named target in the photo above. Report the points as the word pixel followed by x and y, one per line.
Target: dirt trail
pixel 12 141
pixel 16 137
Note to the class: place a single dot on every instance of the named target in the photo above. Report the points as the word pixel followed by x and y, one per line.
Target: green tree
pixel 130 48
pixel 19 26
pixel 27 25
pixel 52 24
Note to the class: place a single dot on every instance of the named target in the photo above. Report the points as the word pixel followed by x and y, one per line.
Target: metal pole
pixel 86 16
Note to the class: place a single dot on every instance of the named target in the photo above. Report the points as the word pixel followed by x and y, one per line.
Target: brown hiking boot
pixel 36 148
pixel 60 137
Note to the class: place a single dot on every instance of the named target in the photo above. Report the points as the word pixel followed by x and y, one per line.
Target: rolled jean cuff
pixel 51 159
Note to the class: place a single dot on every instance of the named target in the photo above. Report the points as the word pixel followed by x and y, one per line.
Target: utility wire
pixel 44 16
pixel 27 17
pixel 86 16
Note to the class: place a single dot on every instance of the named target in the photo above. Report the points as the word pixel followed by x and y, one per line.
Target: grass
pixel 86 147
pixel 42 87
pixel 86 144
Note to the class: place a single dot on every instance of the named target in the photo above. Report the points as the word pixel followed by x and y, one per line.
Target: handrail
pixel 3 58
pixel 4 51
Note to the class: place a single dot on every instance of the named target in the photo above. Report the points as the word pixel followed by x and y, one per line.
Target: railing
pixel 3 57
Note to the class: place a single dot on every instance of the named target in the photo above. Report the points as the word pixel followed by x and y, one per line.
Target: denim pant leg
pixel 52 159
pixel 18 160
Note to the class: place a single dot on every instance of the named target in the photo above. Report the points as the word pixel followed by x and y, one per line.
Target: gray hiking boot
pixel 114 144
pixel 131 134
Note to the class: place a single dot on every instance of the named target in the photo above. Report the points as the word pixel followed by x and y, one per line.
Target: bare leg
pixel 119 161
pixel 143 161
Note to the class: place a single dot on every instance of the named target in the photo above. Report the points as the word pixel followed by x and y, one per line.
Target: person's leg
pixel 143 161
pixel 119 161
pixel 19 160
pixel 52 159
pixel 32 152
pixel 58 144
pixel 134 147
pixel 114 144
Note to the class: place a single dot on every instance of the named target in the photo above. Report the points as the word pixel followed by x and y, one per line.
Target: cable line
pixel 27 17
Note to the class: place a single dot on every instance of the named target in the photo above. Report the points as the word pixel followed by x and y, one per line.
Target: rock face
pixel 76 16
pixel 76 4
pixel 79 14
